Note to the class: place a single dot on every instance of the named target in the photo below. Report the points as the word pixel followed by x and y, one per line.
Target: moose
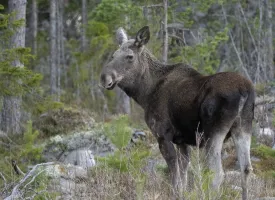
pixel 179 102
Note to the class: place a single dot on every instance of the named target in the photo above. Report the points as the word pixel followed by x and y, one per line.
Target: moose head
pixel 125 63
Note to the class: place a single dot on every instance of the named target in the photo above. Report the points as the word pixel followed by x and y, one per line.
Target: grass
pixel 139 173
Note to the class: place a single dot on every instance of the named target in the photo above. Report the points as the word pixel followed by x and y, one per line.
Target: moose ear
pixel 143 36
pixel 121 36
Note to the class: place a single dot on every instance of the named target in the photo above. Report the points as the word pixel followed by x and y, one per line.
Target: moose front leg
pixel 170 155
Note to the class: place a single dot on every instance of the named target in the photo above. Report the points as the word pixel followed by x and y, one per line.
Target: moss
pixel 260 88
pixel 63 121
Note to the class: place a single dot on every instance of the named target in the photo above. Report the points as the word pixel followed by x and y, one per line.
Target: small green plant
pixel 126 159
pixel 23 150
pixel 265 167
pixel 28 149
pixel 260 88
pixel 264 151
pixel 118 131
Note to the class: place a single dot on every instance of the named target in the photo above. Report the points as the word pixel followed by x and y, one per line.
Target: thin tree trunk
pixel 77 84
pixel 11 112
pixel 165 33
pixel 58 47
pixel 62 47
pixel 84 24
pixel 123 102
pixel 53 52
pixel 270 65
pixel 34 20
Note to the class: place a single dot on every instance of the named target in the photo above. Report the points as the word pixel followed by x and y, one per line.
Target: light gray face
pixel 124 61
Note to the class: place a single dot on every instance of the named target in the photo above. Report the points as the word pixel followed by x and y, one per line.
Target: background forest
pixel 51 55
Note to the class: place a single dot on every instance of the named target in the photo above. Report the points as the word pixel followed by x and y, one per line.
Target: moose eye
pixel 129 57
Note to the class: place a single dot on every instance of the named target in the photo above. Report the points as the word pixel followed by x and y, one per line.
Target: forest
pixel 54 115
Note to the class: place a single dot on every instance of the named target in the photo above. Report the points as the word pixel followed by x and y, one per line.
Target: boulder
pixel 85 143
pixel 69 181
pixel 63 121
pixel 80 157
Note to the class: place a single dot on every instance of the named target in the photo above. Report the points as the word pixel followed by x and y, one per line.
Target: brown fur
pixel 178 101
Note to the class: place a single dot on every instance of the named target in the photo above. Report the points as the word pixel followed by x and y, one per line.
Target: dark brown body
pixel 195 103
pixel 180 104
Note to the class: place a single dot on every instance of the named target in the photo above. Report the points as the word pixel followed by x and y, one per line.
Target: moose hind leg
pixel 183 161
pixel 214 162
pixel 242 137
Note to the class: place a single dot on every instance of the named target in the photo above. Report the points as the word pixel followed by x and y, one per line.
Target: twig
pixel 17 170
pixel 264 100
pixel 15 192
pixel 3 177
pixel 154 6
pixel 235 48
pixel 176 37
pixel 33 178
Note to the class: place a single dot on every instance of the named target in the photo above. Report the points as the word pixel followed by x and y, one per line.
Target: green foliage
pixel 16 79
pixel 113 12
pixel 130 161
pixel 29 150
pixel 118 131
pixel 46 104
pixel 22 149
pixel 265 167
pixel 260 89
pixel 204 56
pixel 264 151
pixel 126 159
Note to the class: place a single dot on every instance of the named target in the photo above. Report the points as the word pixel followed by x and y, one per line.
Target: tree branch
pixel 235 48
pixel 17 170
pixel 154 6
pixel 4 179
pixel 15 191
pixel 264 100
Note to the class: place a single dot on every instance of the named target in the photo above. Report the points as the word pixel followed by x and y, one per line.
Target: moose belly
pixel 187 125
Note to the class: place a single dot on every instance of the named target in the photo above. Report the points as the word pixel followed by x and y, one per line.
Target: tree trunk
pixel 63 68
pixel 58 47
pixel 269 41
pixel 123 105
pixel 11 112
pixel 53 53
pixel 165 33
pixel 34 19
pixel 84 24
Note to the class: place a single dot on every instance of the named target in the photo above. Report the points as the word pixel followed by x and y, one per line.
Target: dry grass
pixel 107 183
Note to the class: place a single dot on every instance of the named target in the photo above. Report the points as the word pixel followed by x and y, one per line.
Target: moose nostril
pixel 110 84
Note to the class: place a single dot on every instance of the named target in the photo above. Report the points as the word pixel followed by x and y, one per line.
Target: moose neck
pixel 149 71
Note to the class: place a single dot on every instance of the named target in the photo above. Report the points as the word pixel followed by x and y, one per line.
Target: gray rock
pixel 60 147
pixel 68 180
pixel 83 158
pixel 138 136
pixel 255 159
